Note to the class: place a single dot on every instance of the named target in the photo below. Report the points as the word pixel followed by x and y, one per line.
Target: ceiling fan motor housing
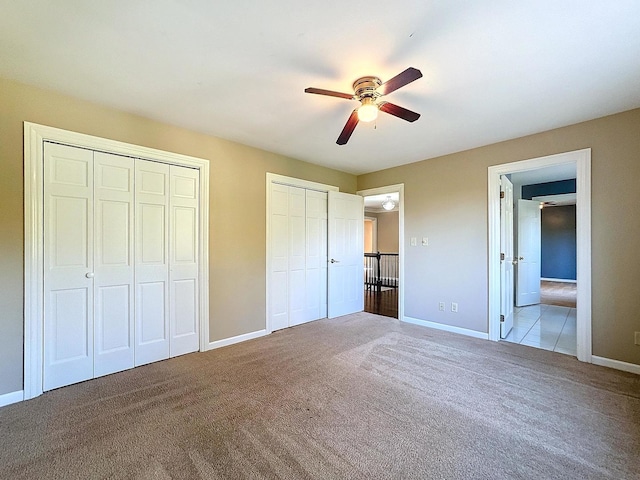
pixel 365 87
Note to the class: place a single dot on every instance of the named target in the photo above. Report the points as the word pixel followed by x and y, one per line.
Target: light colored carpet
pixel 361 396
pixel 563 294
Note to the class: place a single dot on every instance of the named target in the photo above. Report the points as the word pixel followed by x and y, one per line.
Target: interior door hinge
pixel 501 193
pixel 501 257
pixel 501 318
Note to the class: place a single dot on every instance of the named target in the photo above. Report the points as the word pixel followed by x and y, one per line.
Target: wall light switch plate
pixel 414 241
pixel 637 338
pixel 425 241
pixel 441 306
pixel 454 307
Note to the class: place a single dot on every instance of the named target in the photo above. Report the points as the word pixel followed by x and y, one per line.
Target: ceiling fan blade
pixel 349 127
pixel 330 93
pixel 399 112
pixel 400 80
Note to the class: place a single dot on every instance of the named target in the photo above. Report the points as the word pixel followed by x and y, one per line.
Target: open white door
pixel 506 256
pixel 346 253
pixel 528 277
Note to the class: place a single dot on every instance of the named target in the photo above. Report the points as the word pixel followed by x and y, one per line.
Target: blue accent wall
pixel 558 242
pixel 549 188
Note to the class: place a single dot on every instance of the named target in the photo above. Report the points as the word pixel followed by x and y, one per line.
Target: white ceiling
pixel 555 173
pixel 493 69
pixel 373 203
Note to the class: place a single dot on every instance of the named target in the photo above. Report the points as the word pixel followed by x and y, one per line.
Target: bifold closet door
pixel 68 265
pixel 114 317
pixel 183 260
pixel 298 254
pixel 152 261
pixel 121 283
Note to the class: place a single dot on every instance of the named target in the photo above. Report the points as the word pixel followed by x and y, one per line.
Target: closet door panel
pixel 297 255
pixel 152 262
pixel 68 265
pixel 114 266
pixel 279 261
pixel 183 260
pixel 316 252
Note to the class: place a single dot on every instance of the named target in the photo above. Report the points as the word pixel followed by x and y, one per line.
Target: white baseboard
pixel 560 280
pixel 237 339
pixel 617 364
pixel 447 328
pixel 12 397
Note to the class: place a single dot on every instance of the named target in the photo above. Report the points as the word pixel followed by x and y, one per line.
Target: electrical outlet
pixel 441 306
pixel 454 307
pixel 637 338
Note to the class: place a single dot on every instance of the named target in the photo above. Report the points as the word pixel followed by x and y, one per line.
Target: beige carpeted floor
pixel 361 396
pixel 563 294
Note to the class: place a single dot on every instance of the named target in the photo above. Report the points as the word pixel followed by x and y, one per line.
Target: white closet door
pixel 183 260
pixel 279 253
pixel 68 265
pixel 152 262
pixel 316 252
pixel 114 264
pixel 297 255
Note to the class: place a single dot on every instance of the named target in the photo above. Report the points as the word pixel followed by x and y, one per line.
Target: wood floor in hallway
pixel 382 303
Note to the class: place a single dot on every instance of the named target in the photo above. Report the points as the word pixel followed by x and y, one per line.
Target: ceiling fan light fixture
pixel 388 204
pixel 367 90
pixel 368 111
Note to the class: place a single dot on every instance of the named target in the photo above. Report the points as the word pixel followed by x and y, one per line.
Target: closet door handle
pixel 333 260
pixel 89 275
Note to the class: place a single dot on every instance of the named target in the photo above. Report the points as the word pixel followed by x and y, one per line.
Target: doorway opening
pixel 544 236
pixel 525 287
pixel 383 227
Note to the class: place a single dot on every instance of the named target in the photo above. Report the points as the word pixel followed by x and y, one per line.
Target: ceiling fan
pixel 367 90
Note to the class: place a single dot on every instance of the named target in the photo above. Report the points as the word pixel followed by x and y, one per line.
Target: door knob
pixel 89 275
pixel 514 261
pixel 333 260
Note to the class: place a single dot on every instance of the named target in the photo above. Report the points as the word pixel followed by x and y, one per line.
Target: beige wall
pixel 388 232
pixel 368 235
pixel 237 223
pixel 446 200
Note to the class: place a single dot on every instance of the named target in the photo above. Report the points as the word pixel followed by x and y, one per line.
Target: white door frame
pixel 292 182
pixel 582 160
pixel 34 137
pixel 400 189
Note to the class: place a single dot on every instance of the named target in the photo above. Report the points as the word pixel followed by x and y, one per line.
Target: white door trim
pixel 392 189
pixel 292 182
pixel 582 160
pixel 34 137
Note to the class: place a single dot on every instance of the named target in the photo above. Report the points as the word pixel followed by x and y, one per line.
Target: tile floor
pixel 549 327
